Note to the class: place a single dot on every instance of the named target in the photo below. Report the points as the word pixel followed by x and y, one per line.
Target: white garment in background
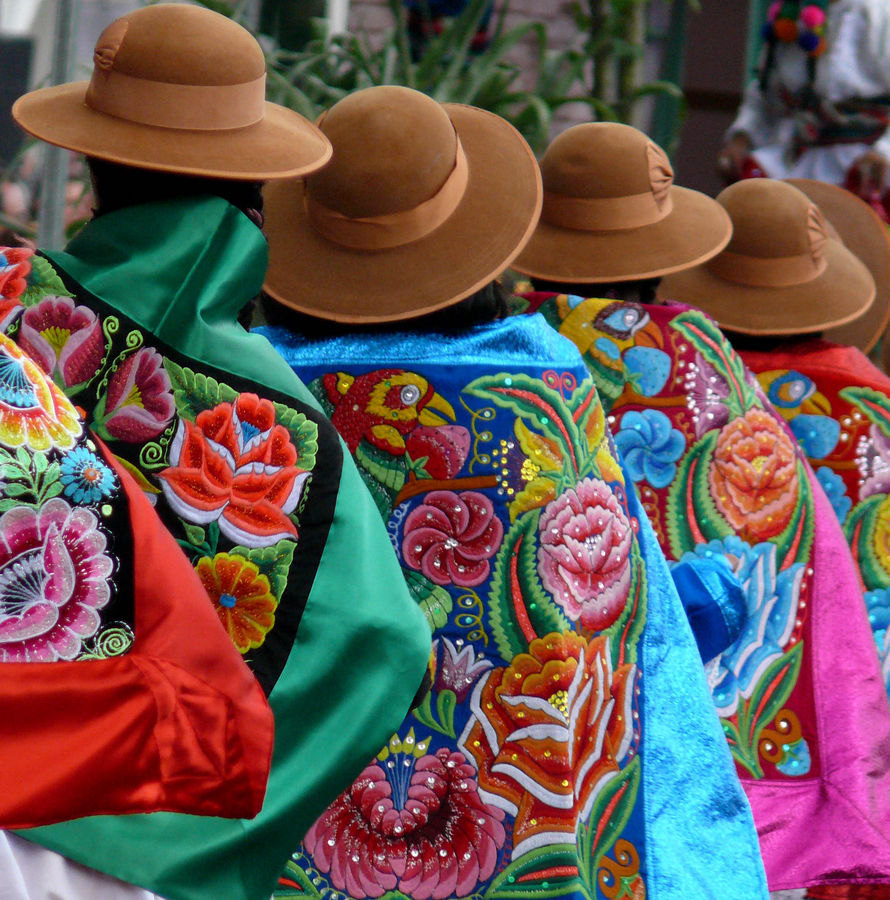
pixel 31 872
pixel 855 65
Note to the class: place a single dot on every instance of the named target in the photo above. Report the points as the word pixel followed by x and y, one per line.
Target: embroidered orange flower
pixel 15 266
pixel 753 477
pixel 242 596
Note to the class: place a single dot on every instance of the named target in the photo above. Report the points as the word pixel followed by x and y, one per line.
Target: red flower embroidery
pixel 450 537
pixel 139 404
pixel 237 467
pixel 422 831
pixel 584 555
pixel 549 732
pixel 753 477
pixel 15 266
pixel 64 339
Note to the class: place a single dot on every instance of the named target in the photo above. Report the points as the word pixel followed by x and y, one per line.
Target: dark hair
pixel 642 291
pixel 485 305
pixel 116 186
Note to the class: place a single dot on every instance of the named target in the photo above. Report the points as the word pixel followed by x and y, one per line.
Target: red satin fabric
pixel 178 724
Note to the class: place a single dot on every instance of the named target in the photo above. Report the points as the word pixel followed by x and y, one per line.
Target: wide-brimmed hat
pixel 612 212
pixel 865 234
pixel 782 273
pixel 177 88
pixel 423 204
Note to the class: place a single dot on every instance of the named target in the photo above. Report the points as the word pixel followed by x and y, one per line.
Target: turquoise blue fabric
pixel 699 833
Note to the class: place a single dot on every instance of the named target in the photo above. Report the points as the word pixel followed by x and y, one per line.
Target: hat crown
pixel 394 148
pixel 157 43
pixel 605 160
pixel 773 220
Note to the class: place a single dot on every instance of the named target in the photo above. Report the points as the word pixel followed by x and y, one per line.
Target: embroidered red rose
pixel 450 537
pixel 237 467
pixel 584 553
pixel 753 476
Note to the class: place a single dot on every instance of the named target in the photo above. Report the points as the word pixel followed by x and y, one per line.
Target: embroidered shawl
pixel 545 762
pixel 252 482
pixel 799 693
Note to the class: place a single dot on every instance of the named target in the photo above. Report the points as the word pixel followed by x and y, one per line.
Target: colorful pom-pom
pixel 808 41
pixel 785 30
pixel 773 11
pixel 812 17
pixel 821 48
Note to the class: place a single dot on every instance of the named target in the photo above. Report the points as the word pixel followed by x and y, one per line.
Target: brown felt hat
pixel 782 272
pixel 612 212
pixel 422 204
pixel 177 88
pixel 867 237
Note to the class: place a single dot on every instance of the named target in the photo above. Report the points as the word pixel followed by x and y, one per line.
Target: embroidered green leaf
pixel 389 470
pixel 443 720
pixel 707 339
pixel 303 432
pixel 625 632
pixel 692 516
pixel 542 872
pixel 195 534
pixel 795 542
pixel 274 562
pixel 194 391
pixel 507 611
pixel 434 601
pixel 859 530
pixel 43 282
pixel 317 388
pixel 12 489
pixel 770 695
pixel 874 404
pixel 295 882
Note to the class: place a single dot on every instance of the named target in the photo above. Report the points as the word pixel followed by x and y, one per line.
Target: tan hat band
pixel 604 213
pixel 770 272
pixel 392 229
pixel 191 107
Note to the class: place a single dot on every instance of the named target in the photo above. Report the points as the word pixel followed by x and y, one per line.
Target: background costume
pixel 568 711
pixel 251 480
pixel 799 694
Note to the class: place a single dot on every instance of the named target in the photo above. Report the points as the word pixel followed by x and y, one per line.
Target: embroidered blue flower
pixel 86 478
pixel 772 601
pixel 650 446
pixel 878 605
pixel 835 490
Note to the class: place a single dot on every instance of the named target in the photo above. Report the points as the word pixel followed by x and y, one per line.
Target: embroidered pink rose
pixel 139 403
pixel 54 576
pixel 64 339
pixel 450 537
pixel 584 553
pixel 413 825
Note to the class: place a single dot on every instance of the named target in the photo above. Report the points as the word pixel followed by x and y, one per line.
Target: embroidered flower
pixel 409 824
pixel 548 732
pixel 236 466
pixel 450 537
pixel 54 576
pixel 15 266
pixel 873 463
pixel 836 491
pixel 878 605
pixel 879 538
pixel 66 340
pixel 706 390
pixel 650 446
pixel 442 449
pixel 753 476
pixel 85 476
pixel 33 411
pixel 584 553
pixel 457 670
pixel 242 597
pixel 772 600
pixel 139 403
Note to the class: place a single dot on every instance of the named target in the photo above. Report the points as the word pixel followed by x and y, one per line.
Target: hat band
pixel 769 272
pixel 188 107
pixel 604 213
pixel 392 229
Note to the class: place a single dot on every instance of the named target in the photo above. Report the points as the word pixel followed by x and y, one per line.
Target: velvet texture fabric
pixel 224 438
pixel 570 794
pixel 800 693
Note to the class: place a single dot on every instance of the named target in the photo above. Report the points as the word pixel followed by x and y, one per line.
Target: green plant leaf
pixel 42 281
pixel 300 883
pixel 532 875
pixel 303 432
pixel 194 391
pixel 859 530
pixel 434 601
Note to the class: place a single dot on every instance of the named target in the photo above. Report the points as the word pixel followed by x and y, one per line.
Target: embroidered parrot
pixel 383 407
pixel 807 411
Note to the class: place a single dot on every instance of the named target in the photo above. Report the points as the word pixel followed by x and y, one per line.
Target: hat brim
pixel 696 229
pixel 845 285
pixel 866 236
pixel 281 145
pixel 491 224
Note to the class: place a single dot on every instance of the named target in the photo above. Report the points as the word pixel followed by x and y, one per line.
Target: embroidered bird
pixel 807 410
pixel 383 407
